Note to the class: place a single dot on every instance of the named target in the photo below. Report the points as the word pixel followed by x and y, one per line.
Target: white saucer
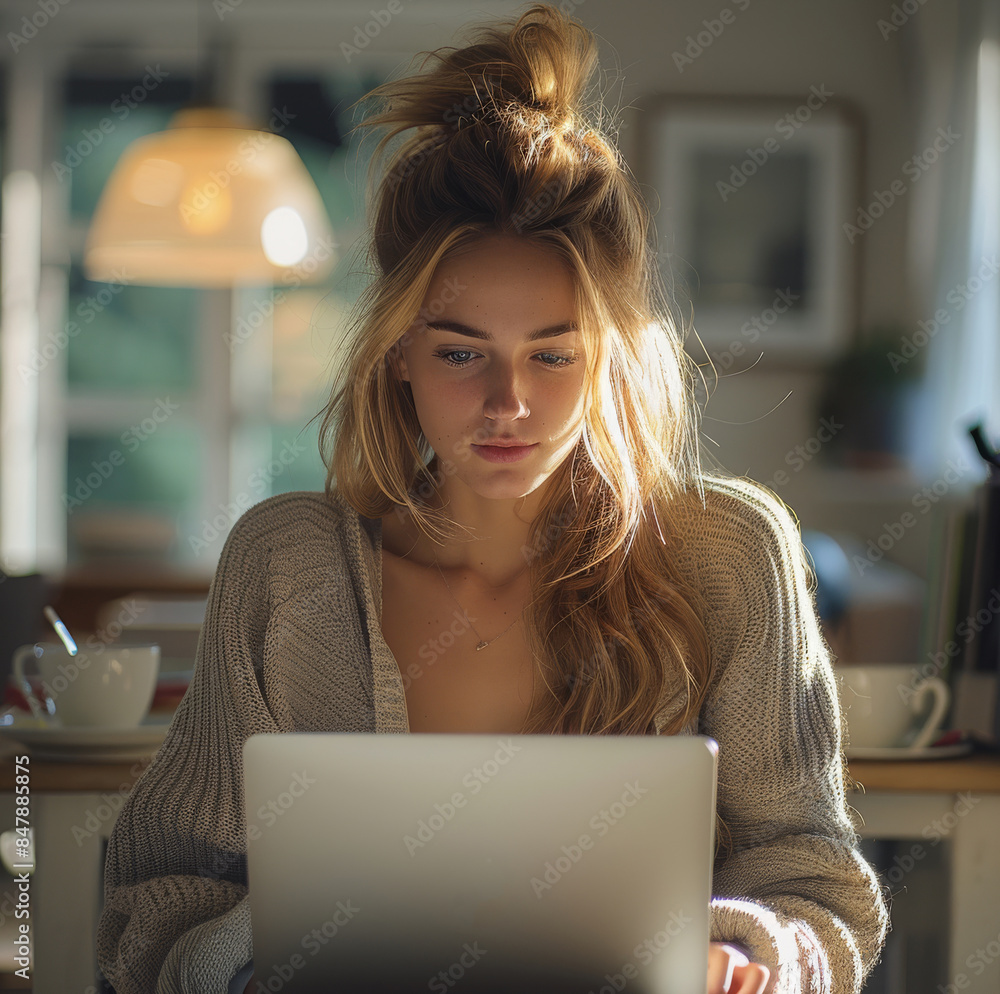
pixel 88 745
pixel 899 752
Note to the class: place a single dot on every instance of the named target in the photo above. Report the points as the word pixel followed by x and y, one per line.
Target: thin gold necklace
pixel 482 642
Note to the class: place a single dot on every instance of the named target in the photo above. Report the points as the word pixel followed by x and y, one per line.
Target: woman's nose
pixel 506 394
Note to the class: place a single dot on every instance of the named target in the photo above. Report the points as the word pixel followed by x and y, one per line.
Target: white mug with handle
pixel 884 706
pixel 111 687
pixel 932 724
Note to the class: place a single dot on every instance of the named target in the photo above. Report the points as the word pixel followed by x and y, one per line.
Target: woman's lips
pixel 499 453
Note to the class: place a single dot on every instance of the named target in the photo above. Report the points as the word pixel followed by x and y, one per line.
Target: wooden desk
pixel 977 773
pixel 66 778
pixel 980 773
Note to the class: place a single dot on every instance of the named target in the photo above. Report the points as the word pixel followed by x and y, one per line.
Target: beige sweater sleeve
pixel 176 915
pixel 796 891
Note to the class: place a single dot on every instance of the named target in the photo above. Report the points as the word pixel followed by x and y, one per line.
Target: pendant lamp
pixel 210 202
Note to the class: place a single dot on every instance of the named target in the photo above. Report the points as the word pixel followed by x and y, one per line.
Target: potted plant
pixel 872 389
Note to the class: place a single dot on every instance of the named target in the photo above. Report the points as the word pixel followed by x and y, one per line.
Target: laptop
pixel 535 864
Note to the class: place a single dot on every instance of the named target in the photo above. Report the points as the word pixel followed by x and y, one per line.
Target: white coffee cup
pixel 885 706
pixel 110 687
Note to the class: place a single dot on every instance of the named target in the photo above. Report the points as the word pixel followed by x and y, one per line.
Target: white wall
pixel 783 47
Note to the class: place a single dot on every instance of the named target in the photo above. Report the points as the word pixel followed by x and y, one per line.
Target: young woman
pixel 516 535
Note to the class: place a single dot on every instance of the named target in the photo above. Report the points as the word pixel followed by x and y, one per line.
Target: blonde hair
pixel 501 144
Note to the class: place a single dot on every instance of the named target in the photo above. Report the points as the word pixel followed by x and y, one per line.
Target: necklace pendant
pixel 482 645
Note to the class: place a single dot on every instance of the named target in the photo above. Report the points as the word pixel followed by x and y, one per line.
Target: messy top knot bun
pixel 541 64
pixel 500 135
pixel 500 144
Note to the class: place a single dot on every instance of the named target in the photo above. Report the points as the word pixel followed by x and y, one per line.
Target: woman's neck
pixel 494 560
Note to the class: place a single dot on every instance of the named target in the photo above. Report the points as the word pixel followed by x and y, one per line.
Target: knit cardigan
pixel 292 641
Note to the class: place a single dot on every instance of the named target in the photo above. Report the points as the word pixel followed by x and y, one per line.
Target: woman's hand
pixel 730 972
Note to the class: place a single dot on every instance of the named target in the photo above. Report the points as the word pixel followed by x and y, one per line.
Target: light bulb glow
pixel 283 237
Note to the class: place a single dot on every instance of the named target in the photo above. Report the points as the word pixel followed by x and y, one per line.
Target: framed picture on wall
pixel 753 199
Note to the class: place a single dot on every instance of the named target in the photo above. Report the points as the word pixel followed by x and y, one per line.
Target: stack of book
pixel 961 634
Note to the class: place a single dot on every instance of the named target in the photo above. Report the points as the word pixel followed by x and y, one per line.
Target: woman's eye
pixel 452 362
pixel 461 363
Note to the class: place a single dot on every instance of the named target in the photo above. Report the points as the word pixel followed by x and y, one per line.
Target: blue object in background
pixel 833 575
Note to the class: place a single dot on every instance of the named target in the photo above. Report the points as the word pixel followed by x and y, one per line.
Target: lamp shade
pixel 209 202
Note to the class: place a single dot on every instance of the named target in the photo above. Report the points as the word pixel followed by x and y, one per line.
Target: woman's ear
pixel 397 362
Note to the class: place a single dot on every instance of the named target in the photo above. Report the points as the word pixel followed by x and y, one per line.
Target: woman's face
pixel 512 386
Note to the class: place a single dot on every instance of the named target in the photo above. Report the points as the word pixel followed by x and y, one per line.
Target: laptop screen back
pixel 481 863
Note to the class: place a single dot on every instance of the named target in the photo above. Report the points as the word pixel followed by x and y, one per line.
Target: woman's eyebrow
pixel 463 329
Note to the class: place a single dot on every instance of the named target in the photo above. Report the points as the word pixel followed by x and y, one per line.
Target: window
pixel 172 410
